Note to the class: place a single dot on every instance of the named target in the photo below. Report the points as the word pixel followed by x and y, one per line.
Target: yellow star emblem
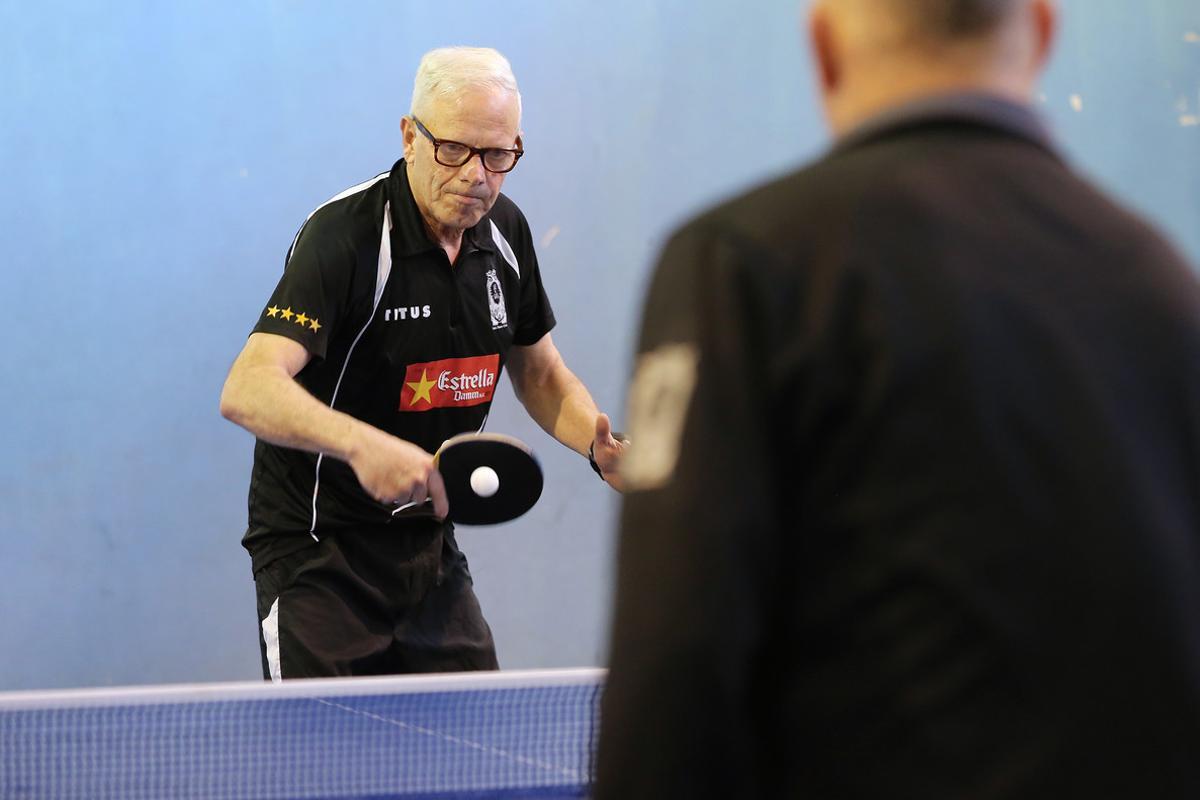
pixel 301 320
pixel 421 388
pixel 316 326
pixel 273 311
pixel 286 313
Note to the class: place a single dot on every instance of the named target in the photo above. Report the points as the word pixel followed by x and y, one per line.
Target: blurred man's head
pixel 873 54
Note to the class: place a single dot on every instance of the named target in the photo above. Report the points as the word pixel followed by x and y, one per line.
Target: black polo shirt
pixel 399 338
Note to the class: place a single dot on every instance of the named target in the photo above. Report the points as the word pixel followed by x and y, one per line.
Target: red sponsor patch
pixel 449 383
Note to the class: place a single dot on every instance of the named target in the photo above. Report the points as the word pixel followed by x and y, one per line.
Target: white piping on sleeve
pixel 362 187
pixel 505 249
pixel 383 270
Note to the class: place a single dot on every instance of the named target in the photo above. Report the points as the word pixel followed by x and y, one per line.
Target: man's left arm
pixel 559 402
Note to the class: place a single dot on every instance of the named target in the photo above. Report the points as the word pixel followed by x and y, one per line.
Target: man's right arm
pixel 261 395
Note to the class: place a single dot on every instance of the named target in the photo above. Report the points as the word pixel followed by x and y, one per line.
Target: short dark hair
pixel 955 19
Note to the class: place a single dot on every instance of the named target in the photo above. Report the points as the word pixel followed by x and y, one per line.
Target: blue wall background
pixel 156 159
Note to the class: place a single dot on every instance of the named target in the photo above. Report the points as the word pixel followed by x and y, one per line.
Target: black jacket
pixel 932 528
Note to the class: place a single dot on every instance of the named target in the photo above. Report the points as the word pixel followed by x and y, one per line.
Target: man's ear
pixel 1045 22
pixel 408 135
pixel 825 50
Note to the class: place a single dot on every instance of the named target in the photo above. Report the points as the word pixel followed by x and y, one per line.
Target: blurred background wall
pixel 157 158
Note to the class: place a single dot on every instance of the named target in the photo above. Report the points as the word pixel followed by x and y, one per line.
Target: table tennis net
pixel 479 735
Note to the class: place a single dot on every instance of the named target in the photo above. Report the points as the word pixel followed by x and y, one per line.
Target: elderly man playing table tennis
pixel 401 301
pixel 912 501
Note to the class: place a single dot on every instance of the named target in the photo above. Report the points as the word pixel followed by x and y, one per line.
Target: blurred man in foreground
pixel 915 460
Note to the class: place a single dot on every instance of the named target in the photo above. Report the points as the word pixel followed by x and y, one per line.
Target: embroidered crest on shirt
pixel 496 306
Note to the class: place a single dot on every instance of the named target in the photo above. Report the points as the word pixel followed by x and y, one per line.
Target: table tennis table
pixel 522 734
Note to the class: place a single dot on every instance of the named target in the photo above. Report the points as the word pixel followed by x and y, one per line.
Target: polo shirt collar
pixel 979 108
pixel 409 236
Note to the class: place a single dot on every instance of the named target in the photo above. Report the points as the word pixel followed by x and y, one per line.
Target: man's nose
pixel 473 170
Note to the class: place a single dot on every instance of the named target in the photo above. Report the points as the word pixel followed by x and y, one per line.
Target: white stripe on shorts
pixel 270 631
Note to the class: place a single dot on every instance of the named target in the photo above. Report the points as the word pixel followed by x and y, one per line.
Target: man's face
pixel 452 199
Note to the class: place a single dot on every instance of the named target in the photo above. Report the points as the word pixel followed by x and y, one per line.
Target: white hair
pixel 449 71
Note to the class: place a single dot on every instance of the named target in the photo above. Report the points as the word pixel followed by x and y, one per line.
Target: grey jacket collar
pixel 983 109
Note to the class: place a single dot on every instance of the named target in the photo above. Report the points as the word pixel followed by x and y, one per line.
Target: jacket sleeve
pixel 698 534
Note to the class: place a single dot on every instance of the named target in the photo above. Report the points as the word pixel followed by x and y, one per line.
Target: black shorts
pixel 380 601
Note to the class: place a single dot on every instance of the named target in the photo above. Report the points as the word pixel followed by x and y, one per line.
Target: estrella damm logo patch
pixel 450 383
pixel 298 317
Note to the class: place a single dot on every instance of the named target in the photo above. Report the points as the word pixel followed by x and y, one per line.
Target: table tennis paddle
pixel 489 477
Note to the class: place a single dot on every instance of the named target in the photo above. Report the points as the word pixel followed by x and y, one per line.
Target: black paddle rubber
pixel 515 465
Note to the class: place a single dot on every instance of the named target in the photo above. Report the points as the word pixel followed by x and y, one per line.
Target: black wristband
pixel 592 461
pixel 620 437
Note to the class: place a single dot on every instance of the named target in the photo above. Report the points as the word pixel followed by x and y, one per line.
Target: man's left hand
pixel 607 449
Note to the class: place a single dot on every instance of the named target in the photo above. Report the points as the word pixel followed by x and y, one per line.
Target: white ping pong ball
pixel 484 481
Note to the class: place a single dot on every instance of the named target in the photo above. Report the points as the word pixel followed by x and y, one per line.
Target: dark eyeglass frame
pixel 482 152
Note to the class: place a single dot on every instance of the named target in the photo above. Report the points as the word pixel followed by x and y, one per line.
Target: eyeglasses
pixel 449 153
